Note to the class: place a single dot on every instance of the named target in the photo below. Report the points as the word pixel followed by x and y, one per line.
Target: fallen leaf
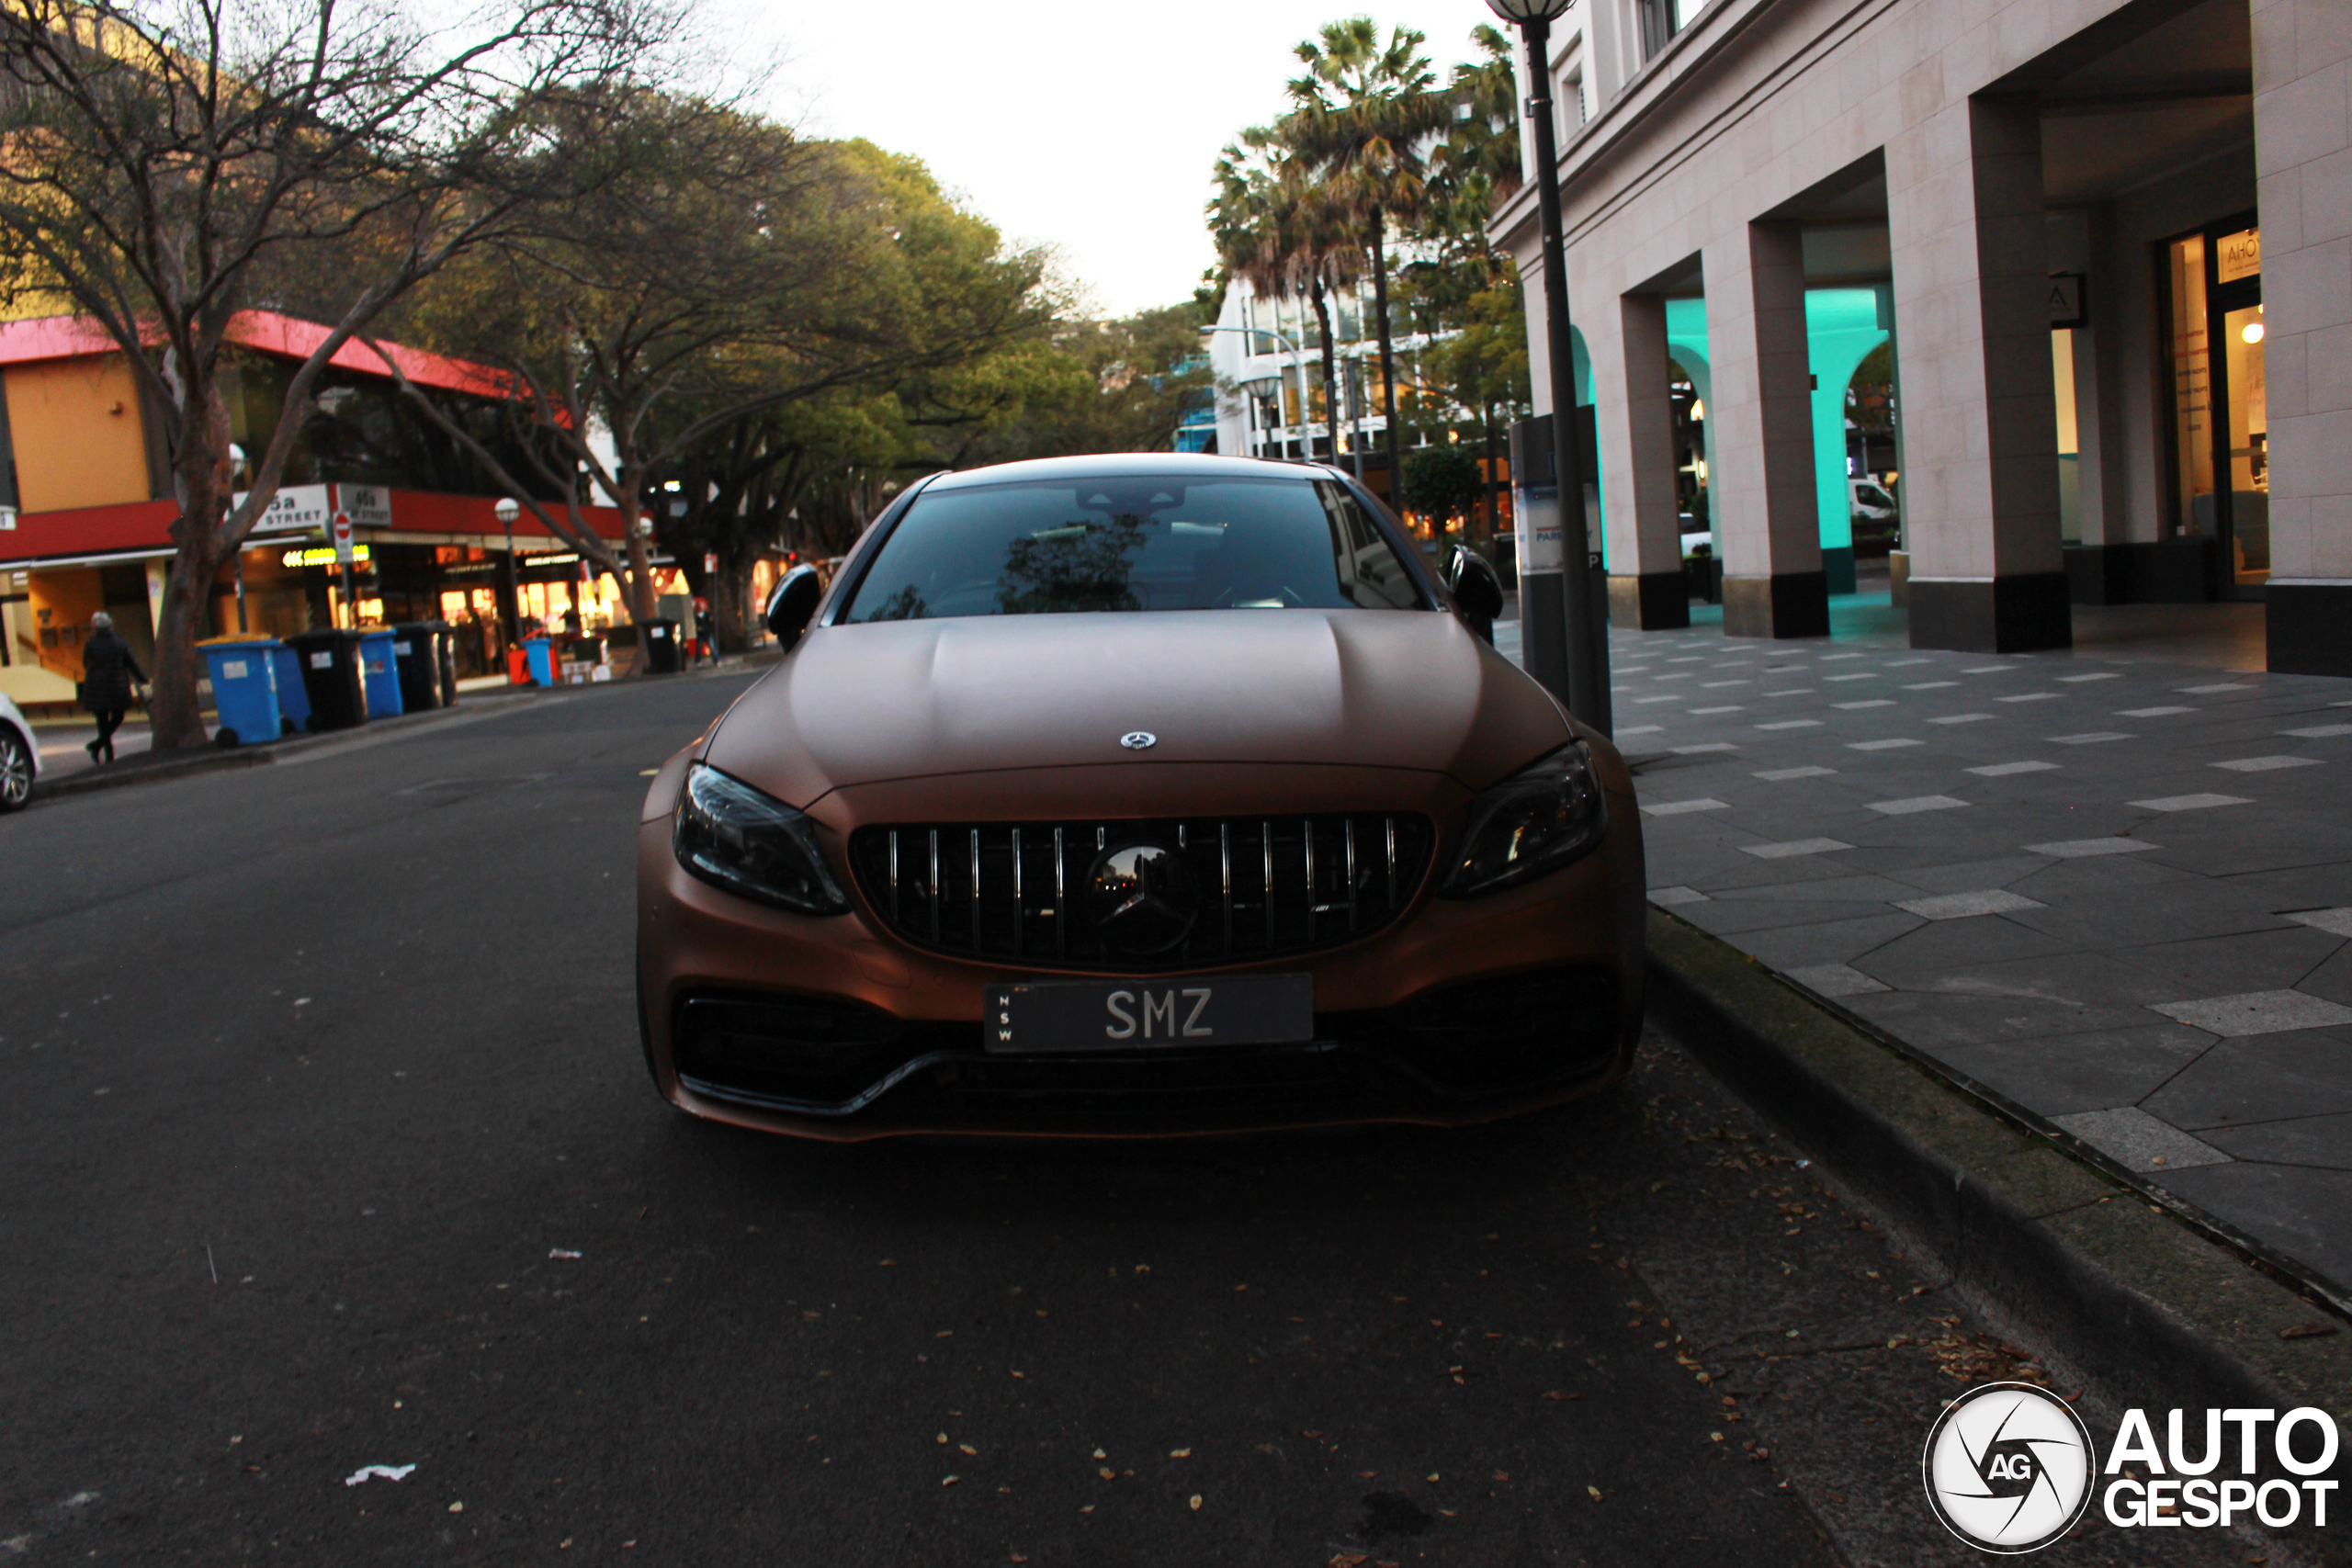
pixel 1107 1473
pixel 1179 1453
pixel 1593 1492
pixel 949 1480
pixel 2306 1330
pixel 456 1508
pixel 969 1450
pixel 1197 1502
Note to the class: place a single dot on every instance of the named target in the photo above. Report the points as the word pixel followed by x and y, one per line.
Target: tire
pixel 15 771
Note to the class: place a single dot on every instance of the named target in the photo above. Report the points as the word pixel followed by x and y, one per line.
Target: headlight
pixel 733 837
pixel 1537 820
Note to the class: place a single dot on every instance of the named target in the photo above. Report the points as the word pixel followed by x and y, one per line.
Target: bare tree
pixel 165 165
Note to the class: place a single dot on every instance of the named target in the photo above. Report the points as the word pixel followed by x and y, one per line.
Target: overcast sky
pixel 1091 128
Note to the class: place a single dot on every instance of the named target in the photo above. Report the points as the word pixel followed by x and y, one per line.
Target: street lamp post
pixel 1587 635
pixel 508 509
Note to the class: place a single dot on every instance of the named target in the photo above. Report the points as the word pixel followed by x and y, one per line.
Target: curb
pixel 215 760
pixel 2128 1294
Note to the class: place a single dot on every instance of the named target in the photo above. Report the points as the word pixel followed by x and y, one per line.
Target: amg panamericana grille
pixel 1263 886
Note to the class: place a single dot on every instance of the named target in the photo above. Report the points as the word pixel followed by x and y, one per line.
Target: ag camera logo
pixel 2009 1467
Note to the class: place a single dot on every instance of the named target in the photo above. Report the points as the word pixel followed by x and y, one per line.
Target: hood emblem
pixel 1143 898
pixel 1140 741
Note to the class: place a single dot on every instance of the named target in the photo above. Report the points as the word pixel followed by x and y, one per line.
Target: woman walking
pixel 108 673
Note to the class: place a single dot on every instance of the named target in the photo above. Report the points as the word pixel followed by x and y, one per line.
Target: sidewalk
pixel 2115 889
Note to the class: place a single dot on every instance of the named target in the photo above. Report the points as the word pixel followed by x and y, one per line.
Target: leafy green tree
pixel 1443 482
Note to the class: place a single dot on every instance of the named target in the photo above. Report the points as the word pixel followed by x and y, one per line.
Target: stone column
pixel 1980 476
pixel 1635 413
pixel 2302 113
pixel 1761 412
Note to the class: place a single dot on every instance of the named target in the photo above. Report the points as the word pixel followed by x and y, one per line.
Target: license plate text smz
pixel 1160 1010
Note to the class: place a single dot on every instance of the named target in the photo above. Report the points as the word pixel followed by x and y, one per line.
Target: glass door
pixel 2241 422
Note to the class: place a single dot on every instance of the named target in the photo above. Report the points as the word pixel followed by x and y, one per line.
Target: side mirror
pixel 1477 591
pixel 793 602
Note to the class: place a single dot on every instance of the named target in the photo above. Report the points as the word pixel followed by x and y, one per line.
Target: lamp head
pixel 508 509
pixel 1519 12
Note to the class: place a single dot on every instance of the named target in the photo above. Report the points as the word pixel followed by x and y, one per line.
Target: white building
pixel 1258 348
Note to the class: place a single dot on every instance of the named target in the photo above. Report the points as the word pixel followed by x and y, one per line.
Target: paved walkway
pixel 2116 888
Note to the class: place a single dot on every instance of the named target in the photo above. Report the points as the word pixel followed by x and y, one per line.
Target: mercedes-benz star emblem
pixel 1142 898
pixel 2009 1467
pixel 1140 741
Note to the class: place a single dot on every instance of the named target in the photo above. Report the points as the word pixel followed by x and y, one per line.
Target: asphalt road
pixel 328 1144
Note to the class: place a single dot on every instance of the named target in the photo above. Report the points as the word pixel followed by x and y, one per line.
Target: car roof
pixel 1129 465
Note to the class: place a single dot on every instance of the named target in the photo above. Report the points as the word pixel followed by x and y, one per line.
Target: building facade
pixel 2085 231
pixel 82 463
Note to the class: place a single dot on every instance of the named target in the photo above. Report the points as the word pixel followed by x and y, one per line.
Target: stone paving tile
pixel 2139 1141
pixel 2274 960
pixel 1786 848
pixel 2084 1072
pixel 2318 885
pixel 2338 922
pixel 1669 897
pixel 1812 942
pixel 2001 958
pixel 2255 843
pixel 2332 978
pixel 1961 905
pixel 1843 887
pixel 2299 1210
pixel 2191 909
pixel 1963 875
pixel 2260 1077
pixel 2205 802
pixel 1835 980
pixel 1937 1023
pixel 2302 1140
pixel 2258 1012
pixel 1736 916
pixel 2111 875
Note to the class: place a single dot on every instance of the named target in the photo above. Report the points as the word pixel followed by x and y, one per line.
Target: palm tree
pixel 1366 115
pixel 1284 234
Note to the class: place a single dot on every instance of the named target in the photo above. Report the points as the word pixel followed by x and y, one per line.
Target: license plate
pixel 1126 1015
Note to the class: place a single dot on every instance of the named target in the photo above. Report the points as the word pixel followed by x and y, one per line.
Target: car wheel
pixel 15 771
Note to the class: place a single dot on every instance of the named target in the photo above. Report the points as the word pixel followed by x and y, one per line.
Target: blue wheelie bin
pixel 380 673
pixel 536 649
pixel 293 693
pixel 245 688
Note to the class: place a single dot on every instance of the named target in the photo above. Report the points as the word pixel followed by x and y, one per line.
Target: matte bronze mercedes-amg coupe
pixel 1137 794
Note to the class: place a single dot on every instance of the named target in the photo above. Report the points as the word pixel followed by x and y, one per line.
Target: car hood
pixel 857 705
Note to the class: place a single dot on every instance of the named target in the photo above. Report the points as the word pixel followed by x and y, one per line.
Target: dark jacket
pixel 107 671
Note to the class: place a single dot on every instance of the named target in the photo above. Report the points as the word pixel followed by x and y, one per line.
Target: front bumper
pixel 1461 1011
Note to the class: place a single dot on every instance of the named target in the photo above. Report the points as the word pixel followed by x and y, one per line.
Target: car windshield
pixel 1139 543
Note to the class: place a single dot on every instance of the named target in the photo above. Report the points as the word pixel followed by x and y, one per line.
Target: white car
pixel 19 758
